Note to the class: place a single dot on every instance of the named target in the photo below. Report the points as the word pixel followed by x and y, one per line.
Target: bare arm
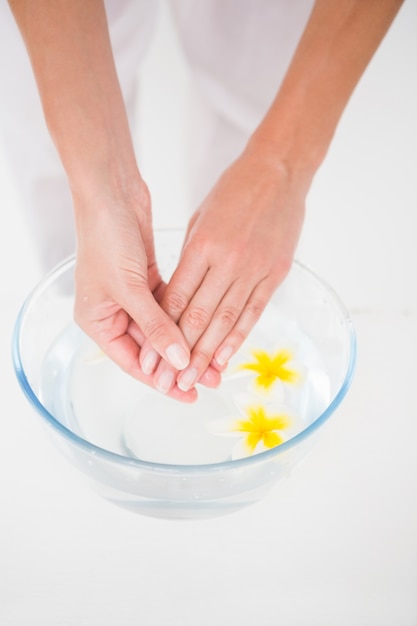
pixel 241 241
pixel 69 48
pixel 117 282
pixel 336 47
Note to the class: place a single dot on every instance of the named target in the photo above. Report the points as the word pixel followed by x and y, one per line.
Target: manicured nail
pixel 224 355
pixel 177 356
pixel 187 379
pixel 150 361
pixel 165 381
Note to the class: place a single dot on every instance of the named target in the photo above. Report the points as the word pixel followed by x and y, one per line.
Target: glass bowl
pixel 159 457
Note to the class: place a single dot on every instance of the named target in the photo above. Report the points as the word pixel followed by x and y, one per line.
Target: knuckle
pixel 203 356
pixel 197 318
pixel 254 309
pixel 154 329
pixel 228 316
pixel 237 337
pixel 82 317
pixel 175 302
pixel 101 331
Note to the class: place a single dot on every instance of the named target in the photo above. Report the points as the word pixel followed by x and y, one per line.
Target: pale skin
pixel 240 242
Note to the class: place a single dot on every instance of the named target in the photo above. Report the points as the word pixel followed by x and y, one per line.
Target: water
pixel 90 395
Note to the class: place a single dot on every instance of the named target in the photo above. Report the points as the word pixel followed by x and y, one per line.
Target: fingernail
pixel 150 361
pixel 177 356
pixel 188 379
pixel 224 355
pixel 164 382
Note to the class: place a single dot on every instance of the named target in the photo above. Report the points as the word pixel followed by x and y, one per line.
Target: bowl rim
pixel 95 450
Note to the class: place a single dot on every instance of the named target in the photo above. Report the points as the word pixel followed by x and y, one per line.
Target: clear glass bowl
pixel 169 487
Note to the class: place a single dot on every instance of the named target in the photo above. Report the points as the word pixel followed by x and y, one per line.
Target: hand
pixel 239 246
pixel 118 285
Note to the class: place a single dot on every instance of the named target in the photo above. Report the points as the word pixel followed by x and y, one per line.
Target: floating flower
pixel 271 368
pixel 258 430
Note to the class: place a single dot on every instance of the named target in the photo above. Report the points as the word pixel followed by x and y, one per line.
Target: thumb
pixel 161 331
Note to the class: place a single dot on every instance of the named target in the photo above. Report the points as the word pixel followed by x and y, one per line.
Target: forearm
pixel 70 51
pixel 339 40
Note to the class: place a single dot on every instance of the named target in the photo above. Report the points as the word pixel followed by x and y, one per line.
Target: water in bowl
pixel 91 396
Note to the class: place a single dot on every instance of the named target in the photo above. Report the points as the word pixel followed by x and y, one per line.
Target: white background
pixel 337 543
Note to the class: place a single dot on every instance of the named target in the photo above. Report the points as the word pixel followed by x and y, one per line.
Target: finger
pixel 161 331
pixel 210 378
pixel 184 283
pixel 135 332
pixel 173 298
pixel 232 322
pixel 149 358
pixel 165 378
pixel 250 315
pixel 223 320
pixel 193 323
pixel 198 315
pixel 124 350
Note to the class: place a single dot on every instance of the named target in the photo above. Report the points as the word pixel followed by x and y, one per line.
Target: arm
pixel 117 281
pixel 241 241
pixel 337 45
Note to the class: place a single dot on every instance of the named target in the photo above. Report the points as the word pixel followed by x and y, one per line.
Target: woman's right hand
pixel 118 285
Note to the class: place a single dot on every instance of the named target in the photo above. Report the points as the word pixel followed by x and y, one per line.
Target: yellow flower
pixel 270 368
pixel 257 431
pixel 260 427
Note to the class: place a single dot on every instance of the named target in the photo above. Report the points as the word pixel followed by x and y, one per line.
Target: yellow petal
pixel 271 368
pixel 272 439
pixel 252 441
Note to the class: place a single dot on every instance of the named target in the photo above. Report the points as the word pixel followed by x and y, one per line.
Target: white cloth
pixel 238 51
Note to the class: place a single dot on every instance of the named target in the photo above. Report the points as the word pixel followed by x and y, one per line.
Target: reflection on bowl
pixel 156 456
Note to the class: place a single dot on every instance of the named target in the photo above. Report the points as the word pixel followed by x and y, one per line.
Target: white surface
pixel 334 545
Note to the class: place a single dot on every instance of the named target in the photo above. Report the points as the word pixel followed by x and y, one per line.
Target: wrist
pixel 96 150
pixel 112 180
pixel 101 193
pixel 284 155
pixel 294 135
pixel 104 206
